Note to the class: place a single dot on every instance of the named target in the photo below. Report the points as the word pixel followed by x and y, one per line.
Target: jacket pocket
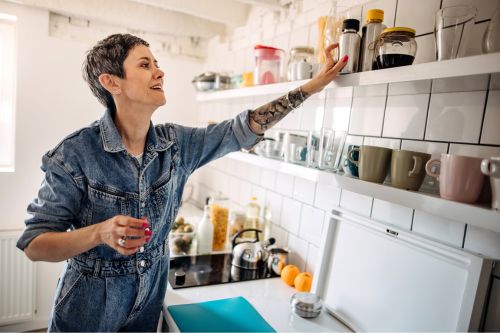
pixel 104 204
pixel 69 283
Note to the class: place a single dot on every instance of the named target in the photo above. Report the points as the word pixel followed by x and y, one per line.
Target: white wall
pixel 456 116
pixel 53 101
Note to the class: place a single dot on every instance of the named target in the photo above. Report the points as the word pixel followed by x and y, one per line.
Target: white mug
pixel 491 167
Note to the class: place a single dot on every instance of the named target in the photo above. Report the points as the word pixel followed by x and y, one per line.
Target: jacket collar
pixel 112 141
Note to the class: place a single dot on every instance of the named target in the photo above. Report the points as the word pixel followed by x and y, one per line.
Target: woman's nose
pixel 159 73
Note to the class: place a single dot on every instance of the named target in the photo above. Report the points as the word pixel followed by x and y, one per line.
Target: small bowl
pixel 181 242
pixel 306 305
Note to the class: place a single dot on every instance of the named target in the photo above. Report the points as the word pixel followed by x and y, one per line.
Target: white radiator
pixel 16 281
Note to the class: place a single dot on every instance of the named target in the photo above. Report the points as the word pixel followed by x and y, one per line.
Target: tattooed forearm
pixel 269 114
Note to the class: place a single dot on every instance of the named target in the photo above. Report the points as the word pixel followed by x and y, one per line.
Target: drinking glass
pixel 452 30
pixel 330 145
pixel 313 150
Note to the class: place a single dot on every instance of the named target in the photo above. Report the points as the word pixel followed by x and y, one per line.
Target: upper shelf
pixel 476 215
pixel 480 64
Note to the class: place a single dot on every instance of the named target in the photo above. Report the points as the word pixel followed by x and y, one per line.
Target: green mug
pixel 373 163
pixel 408 169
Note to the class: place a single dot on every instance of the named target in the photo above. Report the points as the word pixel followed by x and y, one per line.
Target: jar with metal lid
pixel 395 47
pixel 300 63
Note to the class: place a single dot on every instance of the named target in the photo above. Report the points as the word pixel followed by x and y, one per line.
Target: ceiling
pixel 179 18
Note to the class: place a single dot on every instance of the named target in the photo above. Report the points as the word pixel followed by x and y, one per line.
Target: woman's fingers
pixel 131 222
pixel 328 53
pixel 339 65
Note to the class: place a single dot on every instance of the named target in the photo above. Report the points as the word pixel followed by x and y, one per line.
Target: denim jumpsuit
pixel 89 178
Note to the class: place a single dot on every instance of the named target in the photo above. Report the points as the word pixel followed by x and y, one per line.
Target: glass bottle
pixel 252 212
pixel 205 233
pixel 371 31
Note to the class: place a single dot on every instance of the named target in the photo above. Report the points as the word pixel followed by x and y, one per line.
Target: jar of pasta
pixel 219 216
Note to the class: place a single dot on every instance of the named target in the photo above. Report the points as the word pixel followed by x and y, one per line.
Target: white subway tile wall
pixel 304 190
pixel 356 203
pixel 290 215
pixel 458 115
pixel 449 112
pixel 387 212
pixel 442 229
pixel 420 18
pixel 491 130
pixel 405 116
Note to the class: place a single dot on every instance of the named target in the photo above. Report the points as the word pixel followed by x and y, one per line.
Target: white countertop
pixel 270 297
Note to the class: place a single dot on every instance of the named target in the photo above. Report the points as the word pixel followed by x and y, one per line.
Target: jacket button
pixel 141 249
pixel 142 263
pixel 143 205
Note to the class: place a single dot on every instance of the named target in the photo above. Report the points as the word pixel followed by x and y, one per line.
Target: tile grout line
pixel 427 113
pixel 484 109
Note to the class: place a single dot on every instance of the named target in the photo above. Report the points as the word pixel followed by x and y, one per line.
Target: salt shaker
pixel 349 43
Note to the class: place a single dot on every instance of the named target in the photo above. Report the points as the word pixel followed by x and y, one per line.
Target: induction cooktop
pixel 209 269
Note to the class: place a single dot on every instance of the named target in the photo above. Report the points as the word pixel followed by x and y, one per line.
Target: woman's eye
pixel 145 65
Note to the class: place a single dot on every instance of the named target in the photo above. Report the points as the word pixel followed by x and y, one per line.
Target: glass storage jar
pixel 300 65
pixel 219 216
pixel 395 47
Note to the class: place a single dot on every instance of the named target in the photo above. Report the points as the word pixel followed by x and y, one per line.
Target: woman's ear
pixel 110 83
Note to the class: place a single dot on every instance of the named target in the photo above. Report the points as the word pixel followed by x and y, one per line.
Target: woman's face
pixel 143 81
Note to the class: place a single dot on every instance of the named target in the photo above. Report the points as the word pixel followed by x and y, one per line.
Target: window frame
pixel 10 165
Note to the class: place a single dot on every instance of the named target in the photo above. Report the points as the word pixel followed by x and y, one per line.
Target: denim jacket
pixel 90 177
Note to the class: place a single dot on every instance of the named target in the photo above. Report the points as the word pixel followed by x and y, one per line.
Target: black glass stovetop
pixel 209 269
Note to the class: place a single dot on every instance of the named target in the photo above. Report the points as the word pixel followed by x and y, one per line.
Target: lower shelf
pixel 475 215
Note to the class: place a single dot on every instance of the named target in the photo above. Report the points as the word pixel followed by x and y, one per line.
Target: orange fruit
pixel 303 282
pixel 289 273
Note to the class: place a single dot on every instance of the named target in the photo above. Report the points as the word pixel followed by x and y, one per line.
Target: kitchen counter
pixel 270 297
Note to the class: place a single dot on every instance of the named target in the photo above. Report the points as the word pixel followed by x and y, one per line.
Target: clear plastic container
pixel 395 47
pixel 268 64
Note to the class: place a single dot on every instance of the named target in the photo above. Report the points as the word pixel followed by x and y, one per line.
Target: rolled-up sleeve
pixel 202 145
pixel 57 206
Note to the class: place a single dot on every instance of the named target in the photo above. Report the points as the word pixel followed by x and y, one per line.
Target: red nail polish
pixel 147 239
pixel 148 232
pixel 345 58
pixel 145 224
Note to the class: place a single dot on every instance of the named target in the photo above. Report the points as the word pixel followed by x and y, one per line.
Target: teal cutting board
pixel 224 315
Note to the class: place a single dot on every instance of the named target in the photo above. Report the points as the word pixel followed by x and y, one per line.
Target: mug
pixel 373 163
pixel 491 167
pixel 460 177
pixel 408 169
pixel 350 167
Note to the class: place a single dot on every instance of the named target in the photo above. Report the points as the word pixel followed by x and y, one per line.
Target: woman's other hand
pixel 125 234
pixel 328 72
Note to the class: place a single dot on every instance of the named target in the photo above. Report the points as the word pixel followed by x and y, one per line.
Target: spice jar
pixel 395 47
pixel 219 216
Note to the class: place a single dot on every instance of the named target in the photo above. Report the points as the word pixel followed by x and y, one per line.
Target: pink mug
pixel 460 177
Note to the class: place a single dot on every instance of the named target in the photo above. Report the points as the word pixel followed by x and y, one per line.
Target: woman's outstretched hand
pixel 327 73
pixel 125 234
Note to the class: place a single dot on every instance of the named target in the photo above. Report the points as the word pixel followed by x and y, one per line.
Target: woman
pixel 111 190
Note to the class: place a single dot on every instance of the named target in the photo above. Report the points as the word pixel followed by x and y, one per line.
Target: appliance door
pixel 379 278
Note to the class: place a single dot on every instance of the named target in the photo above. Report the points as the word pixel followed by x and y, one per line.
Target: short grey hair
pixel 107 57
